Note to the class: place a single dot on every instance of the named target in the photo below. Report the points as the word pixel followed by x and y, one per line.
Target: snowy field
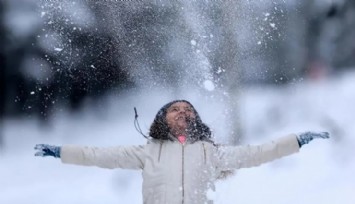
pixel 323 172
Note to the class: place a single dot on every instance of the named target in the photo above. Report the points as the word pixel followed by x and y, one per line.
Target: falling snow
pixel 58 49
pixel 188 44
pixel 208 85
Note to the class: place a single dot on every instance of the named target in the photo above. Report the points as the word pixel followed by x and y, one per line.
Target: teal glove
pixel 47 150
pixel 306 137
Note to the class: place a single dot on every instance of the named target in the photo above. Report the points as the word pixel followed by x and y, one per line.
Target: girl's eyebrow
pixel 175 106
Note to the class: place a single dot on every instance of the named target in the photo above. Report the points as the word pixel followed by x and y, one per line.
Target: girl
pixel 180 162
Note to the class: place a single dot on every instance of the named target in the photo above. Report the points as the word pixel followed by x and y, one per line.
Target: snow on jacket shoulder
pixel 174 173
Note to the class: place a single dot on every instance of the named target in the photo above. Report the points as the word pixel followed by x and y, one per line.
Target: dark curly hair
pixel 160 130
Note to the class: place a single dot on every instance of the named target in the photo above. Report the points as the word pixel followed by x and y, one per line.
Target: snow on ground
pixel 323 171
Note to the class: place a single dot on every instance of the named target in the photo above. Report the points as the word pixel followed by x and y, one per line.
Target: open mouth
pixel 185 119
pixel 181 118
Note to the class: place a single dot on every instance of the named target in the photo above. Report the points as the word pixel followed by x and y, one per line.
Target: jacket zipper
pixel 204 153
pixel 183 189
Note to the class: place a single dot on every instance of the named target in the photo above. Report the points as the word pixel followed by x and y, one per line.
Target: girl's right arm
pixel 126 157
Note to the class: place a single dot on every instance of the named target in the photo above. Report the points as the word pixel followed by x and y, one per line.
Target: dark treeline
pixel 34 79
pixel 91 59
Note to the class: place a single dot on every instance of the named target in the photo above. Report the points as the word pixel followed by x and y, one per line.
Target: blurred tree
pixel 290 40
pixel 55 63
pixel 2 71
pixel 225 59
pixel 84 60
pixel 329 36
pixel 344 42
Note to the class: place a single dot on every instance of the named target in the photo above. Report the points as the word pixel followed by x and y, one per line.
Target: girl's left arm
pixel 235 157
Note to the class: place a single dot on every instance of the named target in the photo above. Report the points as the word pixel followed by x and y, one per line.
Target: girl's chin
pixel 180 131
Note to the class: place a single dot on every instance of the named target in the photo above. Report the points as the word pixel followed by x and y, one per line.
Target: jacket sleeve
pixel 130 157
pixel 235 157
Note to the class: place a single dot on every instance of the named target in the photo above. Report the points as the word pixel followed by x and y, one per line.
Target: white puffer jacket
pixel 179 174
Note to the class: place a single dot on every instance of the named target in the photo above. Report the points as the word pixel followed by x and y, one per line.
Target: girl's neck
pixel 181 139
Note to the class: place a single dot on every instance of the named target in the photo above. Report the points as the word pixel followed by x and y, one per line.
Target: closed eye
pixel 173 109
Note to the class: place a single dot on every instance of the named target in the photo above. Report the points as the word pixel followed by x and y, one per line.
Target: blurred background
pixel 72 71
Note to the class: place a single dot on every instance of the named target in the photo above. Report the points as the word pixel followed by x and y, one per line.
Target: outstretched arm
pixel 234 157
pixel 129 157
